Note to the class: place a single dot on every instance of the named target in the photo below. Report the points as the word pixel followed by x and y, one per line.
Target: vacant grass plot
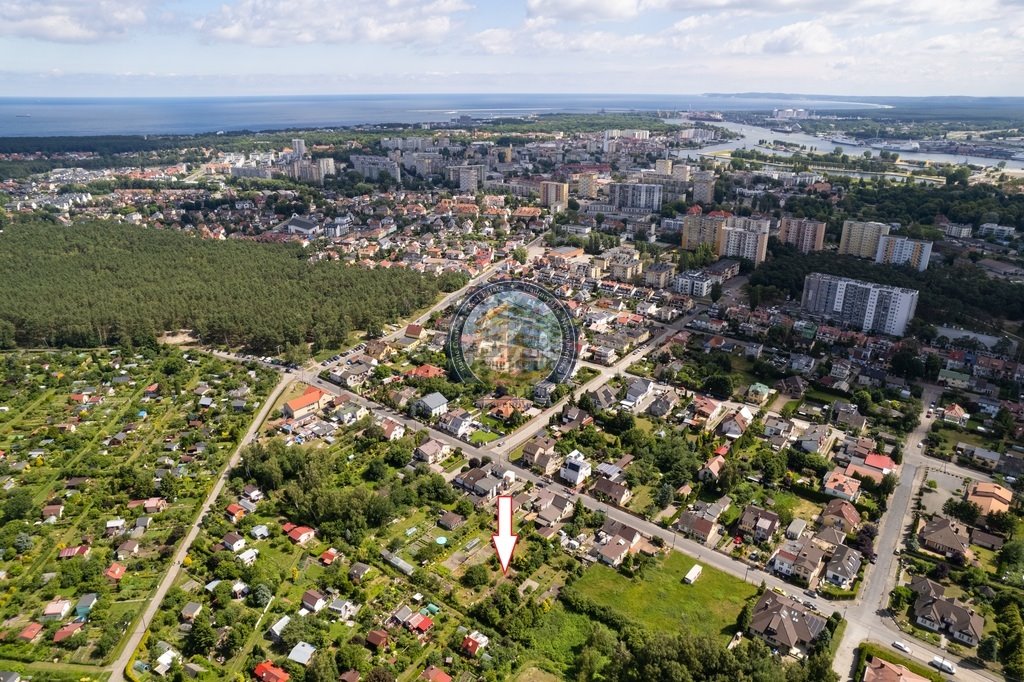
pixel 660 600
pixel 560 637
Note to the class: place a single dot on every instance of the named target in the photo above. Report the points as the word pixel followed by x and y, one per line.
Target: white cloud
pixel 804 37
pixel 284 22
pixel 584 10
pixel 72 21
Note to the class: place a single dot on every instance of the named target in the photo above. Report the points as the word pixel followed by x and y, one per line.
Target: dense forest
pixel 99 283
pixel 915 204
pixel 947 293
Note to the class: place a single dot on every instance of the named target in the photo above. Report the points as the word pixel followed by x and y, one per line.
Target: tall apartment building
pixel 744 238
pixel 894 250
pixel 681 172
pixel 864 305
pixel 701 229
pixel 326 166
pixel 587 186
pixel 299 147
pixel 468 176
pixel 861 238
pixel 704 187
pixel 663 166
pixel 554 195
pixel 804 234
pixel 372 167
pixel 635 195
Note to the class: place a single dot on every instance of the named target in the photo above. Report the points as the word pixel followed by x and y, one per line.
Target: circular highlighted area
pixel 512 332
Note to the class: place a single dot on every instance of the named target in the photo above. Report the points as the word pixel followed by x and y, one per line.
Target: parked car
pixel 902 646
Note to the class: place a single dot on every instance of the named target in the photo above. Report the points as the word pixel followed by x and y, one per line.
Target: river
pixel 751 134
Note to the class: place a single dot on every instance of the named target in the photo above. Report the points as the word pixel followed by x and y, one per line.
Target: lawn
pixel 480 437
pixel 660 600
pixel 641 498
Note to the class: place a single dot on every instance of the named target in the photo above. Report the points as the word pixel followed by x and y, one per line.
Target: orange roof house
pixel 306 404
pixel 115 572
pixel 991 497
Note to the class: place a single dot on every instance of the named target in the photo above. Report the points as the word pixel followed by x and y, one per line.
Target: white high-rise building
pixel 895 250
pixel 299 147
pixel 743 237
pixel 864 305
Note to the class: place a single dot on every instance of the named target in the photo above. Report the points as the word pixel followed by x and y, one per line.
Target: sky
pixel 281 47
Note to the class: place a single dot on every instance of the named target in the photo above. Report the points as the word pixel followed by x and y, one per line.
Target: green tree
pixel 475 576
pixel 716 292
pixel 18 505
pixel 200 639
pixel 322 668
pixel 1001 522
pixel 988 648
pixel 520 255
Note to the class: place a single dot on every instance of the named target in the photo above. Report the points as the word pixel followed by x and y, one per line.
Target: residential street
pixel 118 667
pixel 866 616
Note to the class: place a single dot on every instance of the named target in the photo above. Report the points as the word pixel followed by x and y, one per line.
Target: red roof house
pixel 268 672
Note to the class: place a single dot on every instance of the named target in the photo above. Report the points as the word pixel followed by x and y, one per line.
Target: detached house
pixel 837 484
pixel 944 537
pixel 841 515
pixel 760 524
pixel 944 614
pixel 785 623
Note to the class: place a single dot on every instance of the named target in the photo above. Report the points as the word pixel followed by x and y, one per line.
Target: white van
pixel 944 665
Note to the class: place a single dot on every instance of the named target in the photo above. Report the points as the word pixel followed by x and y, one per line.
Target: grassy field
pixel 534 674
pixel 661 601
pixel 560 636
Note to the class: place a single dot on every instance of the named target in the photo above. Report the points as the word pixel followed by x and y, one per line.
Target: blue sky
pixel 279 47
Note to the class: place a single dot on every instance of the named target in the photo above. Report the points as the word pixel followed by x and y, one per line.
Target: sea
pixel 45 117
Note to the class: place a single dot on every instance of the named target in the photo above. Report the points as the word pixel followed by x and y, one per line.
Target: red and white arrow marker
pixel 504 540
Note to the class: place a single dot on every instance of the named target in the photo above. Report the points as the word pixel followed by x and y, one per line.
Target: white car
pixel 901 646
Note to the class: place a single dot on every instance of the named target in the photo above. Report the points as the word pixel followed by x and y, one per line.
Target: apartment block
pixel 372 167
pixel 893 250
pixel 554 195
pixel 861 238
pixel 635 196
pixel 744 238
pixel 663 166
pixel 863 305
pixel 693 283
pixel 804 234
pixel 701 229
pixel 704 187
pixel 587 185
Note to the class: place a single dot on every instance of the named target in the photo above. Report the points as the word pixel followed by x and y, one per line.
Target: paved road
pixel 867 616
pixel 172 573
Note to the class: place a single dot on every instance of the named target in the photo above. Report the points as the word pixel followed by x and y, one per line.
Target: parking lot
pixel 948 486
